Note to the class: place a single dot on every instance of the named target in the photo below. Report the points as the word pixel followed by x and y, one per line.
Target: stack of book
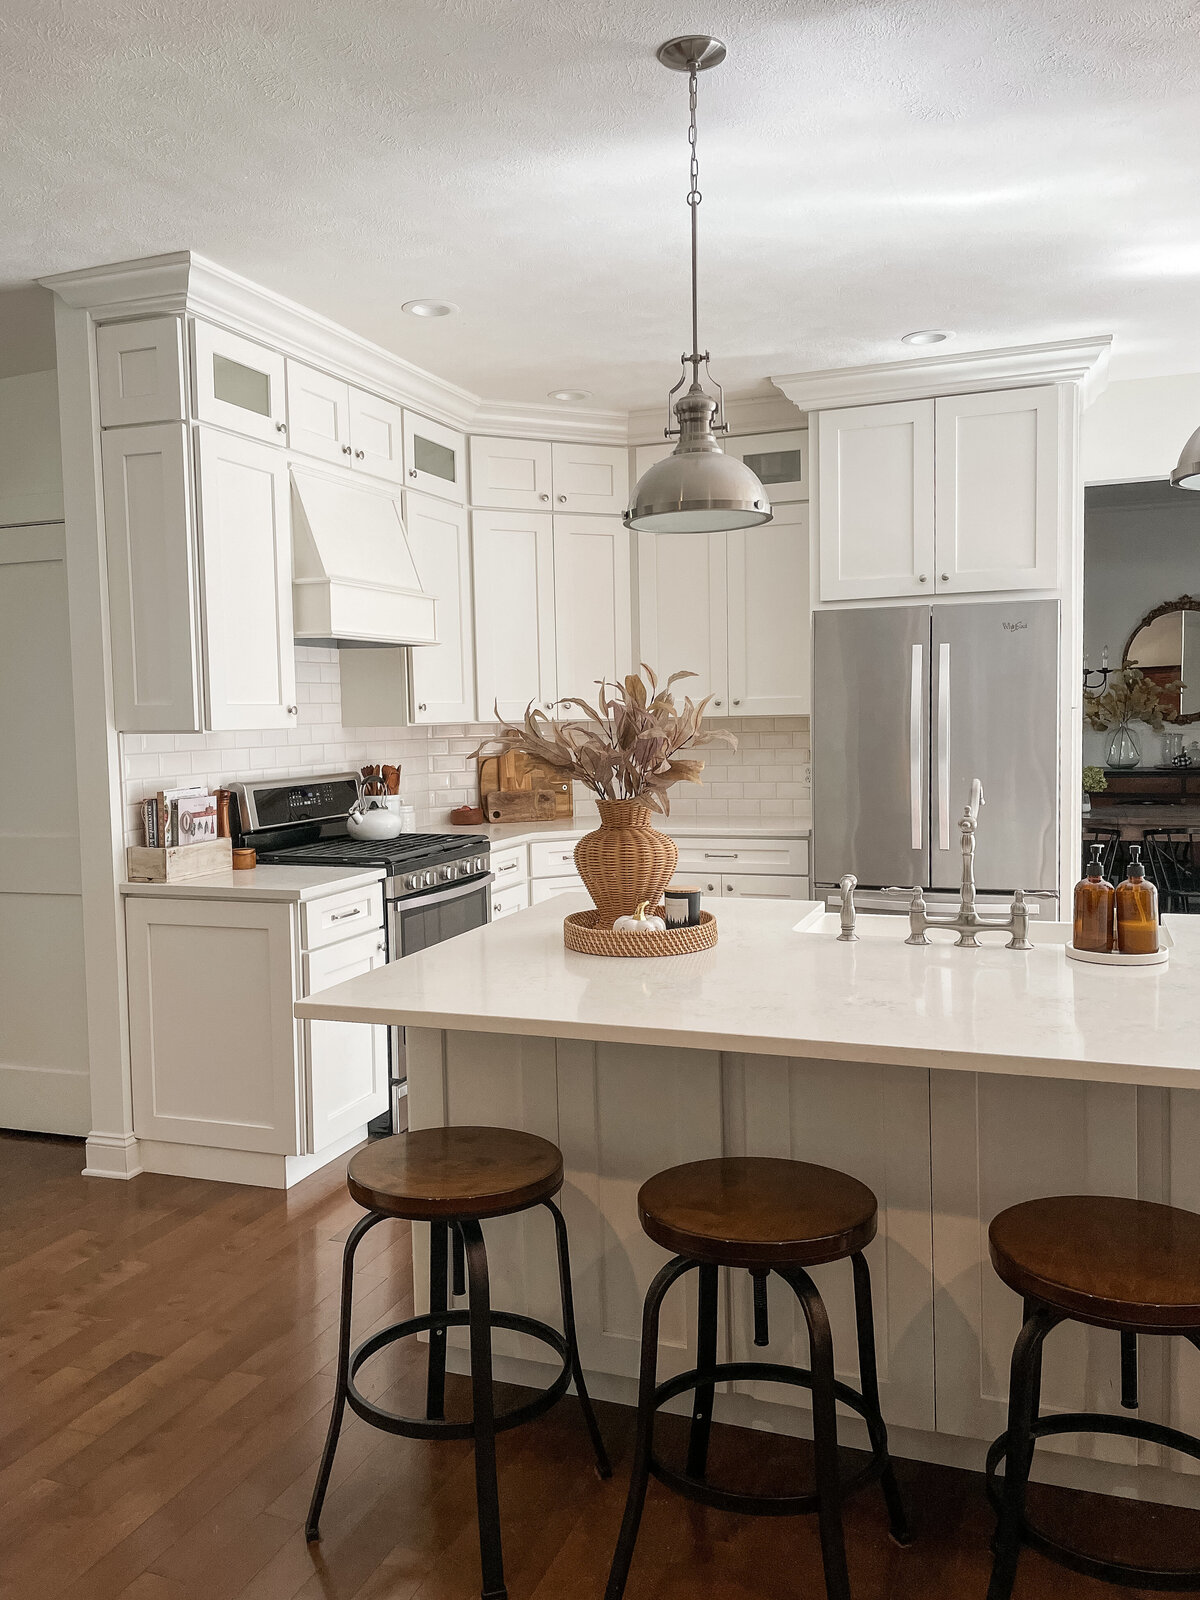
pixel 179 817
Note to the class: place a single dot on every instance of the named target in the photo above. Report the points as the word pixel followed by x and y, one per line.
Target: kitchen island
pixel 954 1082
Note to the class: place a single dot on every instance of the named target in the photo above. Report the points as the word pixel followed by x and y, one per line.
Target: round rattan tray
pixel 580 932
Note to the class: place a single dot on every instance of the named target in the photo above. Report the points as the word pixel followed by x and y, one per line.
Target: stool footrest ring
pixel 424 1427
pixel 1168 1579
pixel 771 1505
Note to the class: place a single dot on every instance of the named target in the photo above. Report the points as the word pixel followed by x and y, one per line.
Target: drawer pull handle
pixel 720 855
pixel 509 866
pixel 341 916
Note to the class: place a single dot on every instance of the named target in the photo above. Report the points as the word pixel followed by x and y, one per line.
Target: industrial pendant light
pixel 698 488
pixel 1187 473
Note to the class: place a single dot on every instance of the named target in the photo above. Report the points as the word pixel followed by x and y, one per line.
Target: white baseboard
pixel 112 1155
pixel 256 1167
pixel 45 1100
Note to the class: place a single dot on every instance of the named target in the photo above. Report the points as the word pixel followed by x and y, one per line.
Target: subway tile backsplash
pixel 767 776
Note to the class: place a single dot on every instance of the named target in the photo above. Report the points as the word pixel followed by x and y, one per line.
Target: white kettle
pixel 370 817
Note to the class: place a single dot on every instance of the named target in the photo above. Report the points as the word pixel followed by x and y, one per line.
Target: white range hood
pixel 353 576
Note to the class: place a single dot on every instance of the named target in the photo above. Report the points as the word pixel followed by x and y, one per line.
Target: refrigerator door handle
pixel 943 739
pixel 915 719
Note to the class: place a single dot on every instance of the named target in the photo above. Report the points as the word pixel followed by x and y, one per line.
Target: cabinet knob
pixel 422 706
pixel 359 454
pixel 543 497
pixel 945 577
pixel 382 948
pixel 412 472
pixel 293 711
pixel 345 449
pixel 549 704
pixel 562 499
pixel 737 702
pixel 717 702
pixel 922 578
pixel 281 427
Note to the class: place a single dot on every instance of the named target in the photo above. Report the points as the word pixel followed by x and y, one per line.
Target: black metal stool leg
pixel 487 1494
pixel 312 1530
pixel 639 1475
pixel 868 1376
pixel 603 1465
pixel 459 1282
pixel 1129 1371
pixel 1024 1389
pixel 435 1382
pixel 706 1359
pixel 825 1441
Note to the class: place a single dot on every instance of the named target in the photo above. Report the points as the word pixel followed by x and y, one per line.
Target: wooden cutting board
pixel 514 773
pixel 522 805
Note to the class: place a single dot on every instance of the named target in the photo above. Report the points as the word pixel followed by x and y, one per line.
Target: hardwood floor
pixel 167 1354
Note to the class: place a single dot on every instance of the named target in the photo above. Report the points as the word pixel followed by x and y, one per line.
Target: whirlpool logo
pixel 1014 627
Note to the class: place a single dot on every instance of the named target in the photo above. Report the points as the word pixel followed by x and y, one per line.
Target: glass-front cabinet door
pixel 238 384
pixel 434 458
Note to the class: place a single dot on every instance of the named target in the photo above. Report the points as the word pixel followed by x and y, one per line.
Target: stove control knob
pixel 431 879
pixel 412 880
pixel 480 864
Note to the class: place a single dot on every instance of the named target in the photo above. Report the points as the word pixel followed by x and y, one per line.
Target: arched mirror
pixel 1165 645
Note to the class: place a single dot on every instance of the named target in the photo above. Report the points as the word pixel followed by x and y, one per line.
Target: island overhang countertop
pixel 770 988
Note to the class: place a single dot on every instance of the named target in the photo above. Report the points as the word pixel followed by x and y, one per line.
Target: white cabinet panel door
pixel 770 617
pixel 875 500
pixel 238 384
pixel 513 561
pixel 204 1073
pixel 377 435
pixel 763 886
pixel 246 583
pixel 435 459
pixel 997 490
pixel 151 581
pixel 593 604
pixel 548 888
pixel 140 370
pixel 778 460
pixel 997 1141
pixel 443 674
pixel 872 1122
pixel 683 612
pixel 590 477
pixel 347 1078
pixel 318 413
pixel 516 474
pixel 506 901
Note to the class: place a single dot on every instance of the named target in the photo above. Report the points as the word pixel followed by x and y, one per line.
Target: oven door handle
pixel 443 893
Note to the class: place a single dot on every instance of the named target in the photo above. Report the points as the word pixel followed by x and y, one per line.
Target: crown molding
pixel 1080 361
pixel 757 413
pixel 570 423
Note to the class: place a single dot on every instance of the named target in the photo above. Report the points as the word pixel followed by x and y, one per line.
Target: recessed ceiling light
pixel 927 336
pixel 429 308
pixel 569 394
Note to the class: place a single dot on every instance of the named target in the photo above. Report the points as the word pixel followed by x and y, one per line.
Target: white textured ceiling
pixel 1016 170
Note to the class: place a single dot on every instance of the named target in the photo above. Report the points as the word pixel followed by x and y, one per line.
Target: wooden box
pixel 178 862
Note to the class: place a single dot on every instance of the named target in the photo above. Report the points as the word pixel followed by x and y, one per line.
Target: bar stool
pixel 1129 1265
pixel 454 1178
pixel 765 1215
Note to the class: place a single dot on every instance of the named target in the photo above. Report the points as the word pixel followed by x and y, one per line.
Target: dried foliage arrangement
pixel 635 745
pixel 1130 696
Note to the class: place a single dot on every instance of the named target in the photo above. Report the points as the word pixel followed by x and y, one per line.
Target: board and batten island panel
pixel 767 1044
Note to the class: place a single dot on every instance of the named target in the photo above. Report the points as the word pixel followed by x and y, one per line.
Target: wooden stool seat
pixel 758 1211
pixel 1115 1263
pixel 438 1174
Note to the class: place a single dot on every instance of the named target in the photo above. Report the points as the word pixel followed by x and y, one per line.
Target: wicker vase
pixel 625 861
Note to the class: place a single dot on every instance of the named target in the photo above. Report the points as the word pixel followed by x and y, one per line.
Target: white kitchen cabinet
pixel 376 435
pixel 513 563
pixel 590 477
pixel 140 370
pixel 246 583
pixel 238 384
pixel 434 458
pixel 778 460
pixel 347 1077
pixel 542 889
pixel 996 494
pixel 510 866
pixel 727 853
pixel 507 901
pixel 442 686
pixel 318 413
pixel 875 500
pixel 763 886
pixel 593 604
pixel 770 616
pixel 733 608
pixel 550 858
pixel 512 474
pixel 997 1141
pixel 152 595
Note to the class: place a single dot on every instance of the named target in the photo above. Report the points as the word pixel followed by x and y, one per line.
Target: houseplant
pixel 1128 697
pixel 1094 782
pixel 636 743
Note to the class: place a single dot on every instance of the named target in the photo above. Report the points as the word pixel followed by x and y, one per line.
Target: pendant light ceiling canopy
pixel 698 488
pixel 1187 473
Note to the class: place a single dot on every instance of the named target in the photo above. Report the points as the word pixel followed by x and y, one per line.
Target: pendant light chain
pixel 693 200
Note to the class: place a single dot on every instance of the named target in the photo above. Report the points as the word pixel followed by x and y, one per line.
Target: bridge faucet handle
pixel 847 885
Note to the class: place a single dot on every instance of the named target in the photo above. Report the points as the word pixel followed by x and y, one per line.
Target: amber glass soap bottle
pixel 1137 910
pixel 1094 899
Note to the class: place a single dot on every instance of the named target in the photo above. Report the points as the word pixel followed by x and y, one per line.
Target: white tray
pixel 1114 958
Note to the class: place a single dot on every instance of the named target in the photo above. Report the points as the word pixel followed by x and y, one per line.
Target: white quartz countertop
pixel 766 989
pixel 260 883
pixel 509 833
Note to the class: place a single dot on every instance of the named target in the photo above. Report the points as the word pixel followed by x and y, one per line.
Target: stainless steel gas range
pixel 436 884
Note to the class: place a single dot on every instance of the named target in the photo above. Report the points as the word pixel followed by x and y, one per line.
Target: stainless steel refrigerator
pixel 909 704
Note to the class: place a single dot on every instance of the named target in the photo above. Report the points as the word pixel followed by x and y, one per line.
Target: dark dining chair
pixel 1110 854
pixel 1172 857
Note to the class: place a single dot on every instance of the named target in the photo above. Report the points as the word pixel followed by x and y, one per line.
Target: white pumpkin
pixel 639 922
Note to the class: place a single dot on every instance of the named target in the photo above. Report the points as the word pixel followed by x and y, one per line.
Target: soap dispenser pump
pixel 1094 903
pixel 1137 910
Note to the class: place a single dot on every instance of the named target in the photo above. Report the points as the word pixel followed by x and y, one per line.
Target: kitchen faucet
pixel 968 923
